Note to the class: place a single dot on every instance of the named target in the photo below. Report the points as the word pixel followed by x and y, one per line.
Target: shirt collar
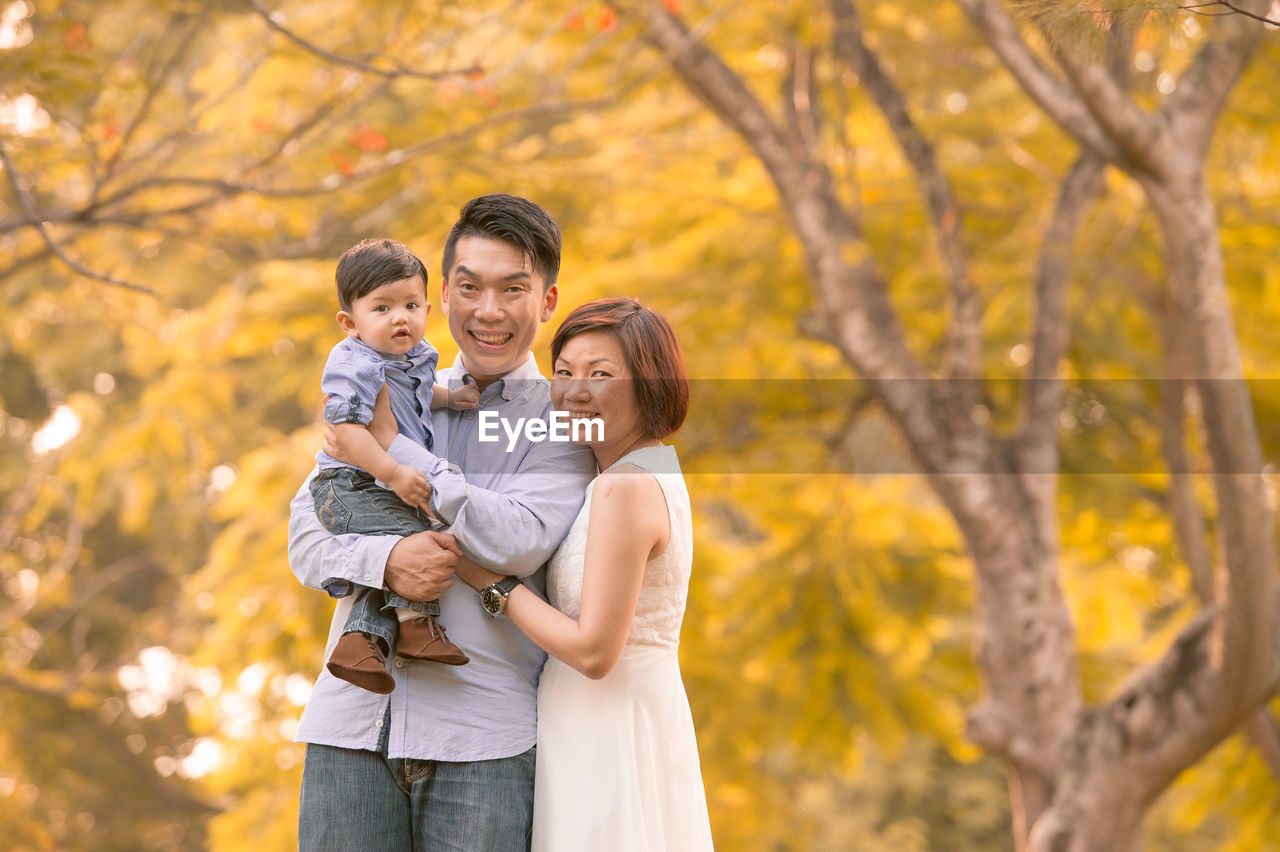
pixel 511 385
pixel 421 348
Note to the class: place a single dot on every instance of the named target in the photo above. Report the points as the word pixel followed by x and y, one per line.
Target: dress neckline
pixel 632 453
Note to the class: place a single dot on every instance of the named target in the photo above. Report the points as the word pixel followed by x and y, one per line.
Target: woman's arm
pixel 628 525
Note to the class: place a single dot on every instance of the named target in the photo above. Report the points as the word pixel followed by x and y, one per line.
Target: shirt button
pixel 399 665
pixel 378 723
pixel 470 415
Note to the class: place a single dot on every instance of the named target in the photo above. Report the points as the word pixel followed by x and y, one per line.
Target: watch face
pixel 492 600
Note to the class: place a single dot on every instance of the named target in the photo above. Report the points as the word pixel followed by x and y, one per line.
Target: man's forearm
pixel 514 531
pixel 319 557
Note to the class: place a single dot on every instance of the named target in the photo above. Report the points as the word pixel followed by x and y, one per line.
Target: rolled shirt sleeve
pixel 351 382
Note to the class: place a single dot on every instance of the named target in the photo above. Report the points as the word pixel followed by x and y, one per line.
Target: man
pixel 446 759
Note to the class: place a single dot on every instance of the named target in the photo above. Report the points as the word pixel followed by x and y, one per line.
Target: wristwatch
pixel 494 598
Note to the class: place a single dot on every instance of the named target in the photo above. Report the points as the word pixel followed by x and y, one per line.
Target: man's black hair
pixel 515 220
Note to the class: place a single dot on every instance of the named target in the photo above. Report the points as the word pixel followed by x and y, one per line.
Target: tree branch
pixel 33 219
pixel 1184 510
pixel 1231 9
pixel 1203 88
pixel 799 101
pixel 843 270
pixel 1138 135
pixel 1059 100
pixel 397 68
pixel 1265 736
pixel 963 347
pixel 1052 316
pixel 157 83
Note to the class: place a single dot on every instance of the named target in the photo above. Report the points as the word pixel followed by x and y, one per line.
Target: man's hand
pixel 420 566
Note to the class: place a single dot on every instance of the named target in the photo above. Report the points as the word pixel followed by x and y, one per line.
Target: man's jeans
pixel 348 500
pixel 361 800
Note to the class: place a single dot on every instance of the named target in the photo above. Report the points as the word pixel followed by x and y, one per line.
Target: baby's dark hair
pixel 369 264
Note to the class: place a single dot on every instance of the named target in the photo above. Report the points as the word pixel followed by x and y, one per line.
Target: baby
pixel 382 293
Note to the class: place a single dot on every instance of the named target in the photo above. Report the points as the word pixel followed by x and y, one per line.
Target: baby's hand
pixel 410 485
pixel 464 398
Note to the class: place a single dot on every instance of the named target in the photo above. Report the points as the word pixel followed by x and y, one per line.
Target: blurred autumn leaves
pixel 155 647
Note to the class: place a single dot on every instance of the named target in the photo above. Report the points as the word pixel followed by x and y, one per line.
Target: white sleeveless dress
pixel 617 765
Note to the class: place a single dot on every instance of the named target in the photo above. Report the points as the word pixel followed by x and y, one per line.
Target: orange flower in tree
pixel 672 6
pixel 341 163
pixel 77 38
pixel 448 90
pixel 575 21
pixel 366 139
pixel 608 20
pixel 487 93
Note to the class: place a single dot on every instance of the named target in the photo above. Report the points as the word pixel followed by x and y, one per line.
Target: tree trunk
pixel 1221 669
pixel 1081 780
pixel 1197 286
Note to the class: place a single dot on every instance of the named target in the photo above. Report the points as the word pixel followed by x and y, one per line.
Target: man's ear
pixel 444 295
pixel 348 324
pixel 549 300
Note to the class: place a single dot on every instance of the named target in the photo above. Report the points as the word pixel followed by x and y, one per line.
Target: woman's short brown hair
pixel 652 353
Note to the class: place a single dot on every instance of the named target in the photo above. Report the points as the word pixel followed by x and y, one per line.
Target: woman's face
pixel 590 380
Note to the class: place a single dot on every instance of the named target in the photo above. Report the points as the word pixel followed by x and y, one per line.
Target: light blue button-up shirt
pixel 355 373
pixel 509 511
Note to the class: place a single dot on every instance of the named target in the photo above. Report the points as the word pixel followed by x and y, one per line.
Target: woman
pixel 617 763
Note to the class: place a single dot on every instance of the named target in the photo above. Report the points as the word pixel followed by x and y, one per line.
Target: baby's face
pixel 391 319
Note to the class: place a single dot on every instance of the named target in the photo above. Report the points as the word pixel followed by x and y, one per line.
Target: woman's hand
pixel 474 576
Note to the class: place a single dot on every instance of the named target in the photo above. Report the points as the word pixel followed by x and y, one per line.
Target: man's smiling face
pixel 495 302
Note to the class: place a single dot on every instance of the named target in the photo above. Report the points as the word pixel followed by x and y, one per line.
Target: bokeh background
pixel 179 178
